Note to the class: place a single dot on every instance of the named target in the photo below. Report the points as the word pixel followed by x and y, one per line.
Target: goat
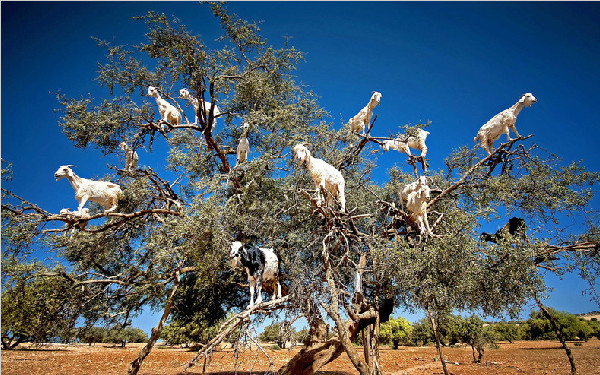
pixel 261 265
pixel 105 193
pixel 363 118
pixel 204 110
pixel 416 185
pixel 402 144
pixel 324 175
pixel 81 217
pixel 168 112
pixel 131 157
pixel 395 144
pixel 416 204
pixel 243 148
pixel 514 226
pixel 502 123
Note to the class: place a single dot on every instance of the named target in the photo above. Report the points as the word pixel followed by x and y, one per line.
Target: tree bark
pixel 438 344
pixel 310 359
pixel 154 336
pixel 559 334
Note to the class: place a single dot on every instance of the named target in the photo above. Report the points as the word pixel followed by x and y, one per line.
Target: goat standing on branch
pixel 416 204
pixel 324 175
pixel 131 157
pixel 404 143
pixel 203 110
pixel 243 148
pixel 261 265
pixel 502 123
pixel 363 118
pixel 514 226
pixel 168 113
pixel 104 192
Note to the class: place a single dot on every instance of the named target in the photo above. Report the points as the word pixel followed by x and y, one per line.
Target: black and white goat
pixel 262 266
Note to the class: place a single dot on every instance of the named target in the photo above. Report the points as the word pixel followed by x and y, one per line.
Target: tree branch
pixel 463 180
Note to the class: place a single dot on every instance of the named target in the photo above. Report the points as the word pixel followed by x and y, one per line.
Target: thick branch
pixel 463 180
pixel 154 336
pixel 559 334
pixel 233 323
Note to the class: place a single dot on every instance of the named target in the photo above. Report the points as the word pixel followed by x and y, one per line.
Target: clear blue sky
pixel 455 64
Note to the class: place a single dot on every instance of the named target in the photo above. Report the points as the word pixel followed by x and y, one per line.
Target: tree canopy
pixel 167 244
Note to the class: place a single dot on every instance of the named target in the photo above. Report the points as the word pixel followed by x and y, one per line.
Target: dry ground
pixel 520 358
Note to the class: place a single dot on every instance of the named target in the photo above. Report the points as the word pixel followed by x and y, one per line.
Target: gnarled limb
pixel 464 179
pixel 234 322
pixel 155 334
pixel 559 334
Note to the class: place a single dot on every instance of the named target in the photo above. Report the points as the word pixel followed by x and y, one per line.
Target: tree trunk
pixel 438 344
pixel 366 338
pixel 559 334
pixel 480 353
pixel 310 359
pixel 134 367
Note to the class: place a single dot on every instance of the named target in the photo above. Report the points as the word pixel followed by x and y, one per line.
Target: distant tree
pixel 395 331
pixel 92 335
pixel 507 331
pixel 301 335
pixel 279 333
pixel 422 332
pixel 477 335
pixel 174 334
pixel 572 327
pixel 122 336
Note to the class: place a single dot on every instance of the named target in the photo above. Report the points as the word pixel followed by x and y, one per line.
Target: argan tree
pixel 166 245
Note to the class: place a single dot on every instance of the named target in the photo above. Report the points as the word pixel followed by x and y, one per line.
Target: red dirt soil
pixel 519 358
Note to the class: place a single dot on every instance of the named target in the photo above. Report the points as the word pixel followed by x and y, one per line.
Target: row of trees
pixel 166 246
pixel 399 331
pixel 92 335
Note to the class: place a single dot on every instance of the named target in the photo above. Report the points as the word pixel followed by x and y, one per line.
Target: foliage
pixel 538 327
pixel 115 335
pixel 35 308
pixel 396 331
pixel 279 333
pixel 92 335
pixel 477 335
pixel 507 331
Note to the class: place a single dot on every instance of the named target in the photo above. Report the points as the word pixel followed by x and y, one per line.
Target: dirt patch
pixel 519 358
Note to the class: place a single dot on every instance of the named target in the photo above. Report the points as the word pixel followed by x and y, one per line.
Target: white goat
pixel 168 112
pixel 395 144
pixel 324 176
pixel 416 205
pixel 103 192
pixel 205 110
pixel 243 148
pixel 502 123
pixel 403 143
pixel 131 157
pixel 363 118
pixel 416 185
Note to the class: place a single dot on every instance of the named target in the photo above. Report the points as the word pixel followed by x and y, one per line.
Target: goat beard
pixel 235 261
